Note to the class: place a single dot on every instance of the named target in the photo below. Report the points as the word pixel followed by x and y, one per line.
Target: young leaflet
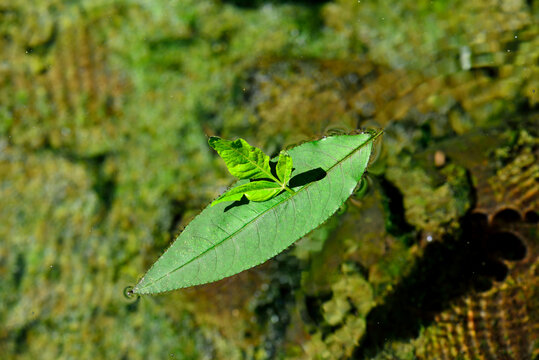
pixel 248 162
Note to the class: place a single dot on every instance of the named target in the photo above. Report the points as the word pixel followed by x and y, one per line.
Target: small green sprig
pixel 248 162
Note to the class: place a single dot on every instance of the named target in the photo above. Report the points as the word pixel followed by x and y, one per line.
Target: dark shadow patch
pixel 442 274
pixel 494 269
pixel 393 204
pixel 508 246
pixel 307 177
pixel 133 306
pixel 242 201
pixel 446 271
pixel 490 71
pixel 104 184
pixel 19 270
pixel 21 339
pixel 273 167
pixel 531 217
pixel 105 188
pixel 478 218
pixel 273 305
pixel 42 49
pixel 299 180
pixel 506 216
pixel 312 312
pixel 177 209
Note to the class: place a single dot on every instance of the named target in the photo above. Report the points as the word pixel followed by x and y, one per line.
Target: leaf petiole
pixel 283 185
pixel 289 190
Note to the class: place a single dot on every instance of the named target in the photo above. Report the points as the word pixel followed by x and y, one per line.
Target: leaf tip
pixel 212 140
pixel 217 201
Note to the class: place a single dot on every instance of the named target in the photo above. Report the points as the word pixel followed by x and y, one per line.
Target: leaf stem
pixel 376 135
pixel 289 190
pixel 283 185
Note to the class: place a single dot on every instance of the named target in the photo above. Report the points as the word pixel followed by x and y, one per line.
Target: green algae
pixel 104 111
pixel 352 298
pixel 434 208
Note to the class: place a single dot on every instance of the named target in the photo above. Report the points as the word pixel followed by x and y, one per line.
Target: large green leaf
pixel 231 237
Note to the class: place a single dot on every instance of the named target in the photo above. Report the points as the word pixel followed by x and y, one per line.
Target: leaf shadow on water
pixel 447 271
pixel 302 179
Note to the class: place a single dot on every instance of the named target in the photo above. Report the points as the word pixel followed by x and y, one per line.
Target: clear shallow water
pixel 104 112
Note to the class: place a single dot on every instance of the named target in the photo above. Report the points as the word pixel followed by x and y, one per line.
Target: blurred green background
pixel 105 109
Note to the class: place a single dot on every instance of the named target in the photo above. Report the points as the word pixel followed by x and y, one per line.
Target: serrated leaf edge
pixel 371 139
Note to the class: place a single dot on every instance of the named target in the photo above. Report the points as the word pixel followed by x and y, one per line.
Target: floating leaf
pixel 228 238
